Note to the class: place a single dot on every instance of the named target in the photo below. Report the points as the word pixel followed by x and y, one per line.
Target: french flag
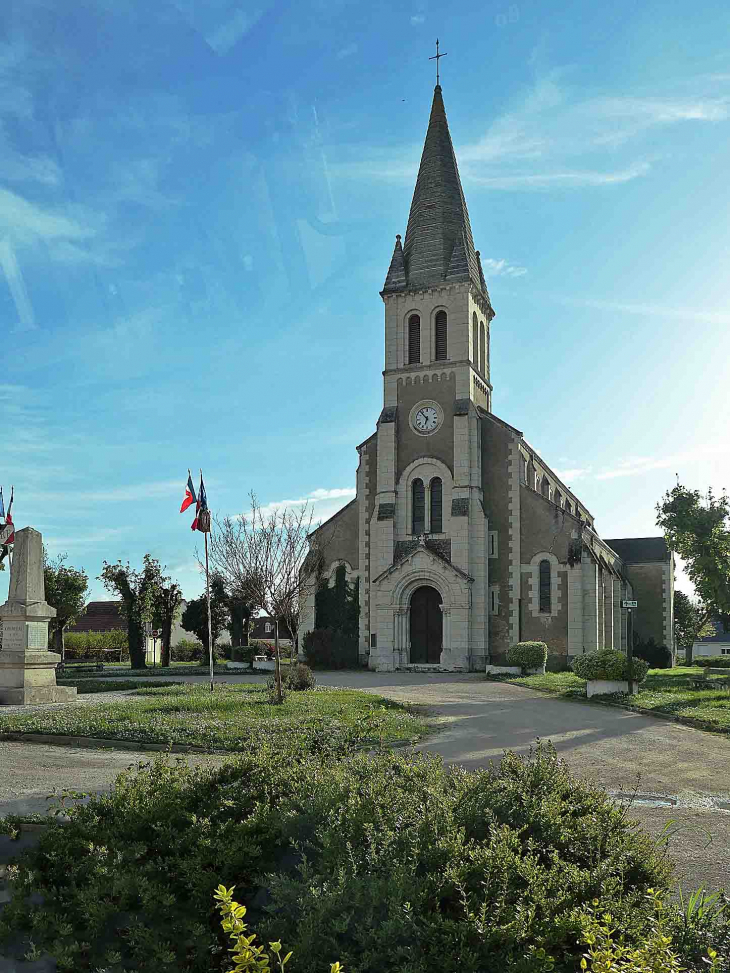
pixel 202 504
pixel 189 494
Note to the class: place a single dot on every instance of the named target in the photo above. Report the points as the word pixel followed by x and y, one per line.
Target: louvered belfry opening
pixel 414 339
pixel 419 507
pixel 475 340
pixel 437 491
pixel 545 586
pixel 440 332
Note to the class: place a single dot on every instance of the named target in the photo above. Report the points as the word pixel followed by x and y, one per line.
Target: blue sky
pixel 198 203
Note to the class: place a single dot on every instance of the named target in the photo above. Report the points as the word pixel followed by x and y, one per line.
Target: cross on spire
pixel 435 58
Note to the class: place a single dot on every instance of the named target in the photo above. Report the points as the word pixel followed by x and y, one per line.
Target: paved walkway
pixel 682 774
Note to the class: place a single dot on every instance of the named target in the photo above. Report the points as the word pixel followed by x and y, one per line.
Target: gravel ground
pixel 681 775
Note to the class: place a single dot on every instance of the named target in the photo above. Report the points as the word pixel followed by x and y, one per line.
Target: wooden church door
pixel 426 625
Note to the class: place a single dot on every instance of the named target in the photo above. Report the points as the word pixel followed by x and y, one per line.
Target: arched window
pixel 558 498
pixel 440 336
pixel 568 508
pixel 482 348
pixel 545 586
pixel 475 340
pixel 545 487
pixel 437 491
pixel 418 512
pixel 414 339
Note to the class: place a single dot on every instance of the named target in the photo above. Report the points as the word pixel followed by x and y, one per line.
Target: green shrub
pixel 243 653
pixel 385 861
pixel 658 656
pixel 712 662
pixel 92 645
pixel 527 655
pixel 187 650
pixel 327 648
pixel 609 664
pixel 300 677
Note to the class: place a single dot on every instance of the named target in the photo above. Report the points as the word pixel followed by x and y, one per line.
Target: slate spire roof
pixel 439 247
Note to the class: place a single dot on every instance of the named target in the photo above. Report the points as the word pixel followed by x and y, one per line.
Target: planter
pixel 268 664
pixel 513 671
pixel 601 687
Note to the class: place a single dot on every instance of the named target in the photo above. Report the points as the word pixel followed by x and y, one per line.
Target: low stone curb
pixel 657 714
pixel 101 743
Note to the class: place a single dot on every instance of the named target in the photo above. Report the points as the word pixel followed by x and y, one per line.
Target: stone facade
pixel 463 539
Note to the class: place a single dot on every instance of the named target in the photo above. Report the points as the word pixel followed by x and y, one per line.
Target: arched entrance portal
pixel 426 625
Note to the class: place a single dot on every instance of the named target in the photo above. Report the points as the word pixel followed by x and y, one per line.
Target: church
pixel 461 539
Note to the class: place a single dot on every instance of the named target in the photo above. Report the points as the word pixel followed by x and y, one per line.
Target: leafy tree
pixel 195 616
pixel 168 599
pixel 697 527
pixel 688 622
pixel 241 609
pixel 139 591
pixel 67 589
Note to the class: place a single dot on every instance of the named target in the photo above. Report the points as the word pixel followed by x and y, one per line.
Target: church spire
pixel 439 247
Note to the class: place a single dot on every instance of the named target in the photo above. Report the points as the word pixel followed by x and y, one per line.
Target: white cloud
pixel 568 476
pixel 501 268
pixel 417 19
pixel 554 138
pixel 648 310
pixel 571 178
pixel 84 538
pixel 323 502
pixel 346 51
pixel 638 465
pixel 121 494
pixel 26 222
pixel 16 283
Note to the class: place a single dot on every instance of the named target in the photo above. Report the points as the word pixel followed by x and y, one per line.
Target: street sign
pixel 631 604
pixel 156 633
pixel 6 531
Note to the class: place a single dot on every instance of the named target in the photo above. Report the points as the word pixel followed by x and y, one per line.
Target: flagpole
pixel 207 595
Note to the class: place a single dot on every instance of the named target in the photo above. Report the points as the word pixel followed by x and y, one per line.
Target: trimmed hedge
pixel 527 655
pixel 91 645
pixel 609 664
pixel 384 861
pixel 658 656
pixel 328 648
pixel 712 662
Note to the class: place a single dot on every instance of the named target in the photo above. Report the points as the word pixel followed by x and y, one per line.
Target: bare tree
pixel 272 558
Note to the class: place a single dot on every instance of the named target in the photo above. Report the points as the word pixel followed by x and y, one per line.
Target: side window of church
pixel 437 523
pixel 493 544
pixel 494 599
pixel 545 605
pixel 482 347
pixel 414 339
pixel 475 340
pixel 441 332
pixel 523 469
pixel 418 525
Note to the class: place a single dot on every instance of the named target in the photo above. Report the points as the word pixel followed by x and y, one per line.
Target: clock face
pixel 426 419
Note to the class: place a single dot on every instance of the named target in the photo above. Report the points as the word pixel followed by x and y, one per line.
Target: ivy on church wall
pixel 337 607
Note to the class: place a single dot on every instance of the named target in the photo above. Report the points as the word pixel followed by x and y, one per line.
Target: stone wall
pixel 648 582
pixel 439 386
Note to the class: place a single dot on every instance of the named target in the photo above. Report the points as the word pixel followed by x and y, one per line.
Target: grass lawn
pixel 665 691
pixel 233 717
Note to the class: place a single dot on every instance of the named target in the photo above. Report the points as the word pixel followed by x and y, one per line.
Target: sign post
pixel 629 606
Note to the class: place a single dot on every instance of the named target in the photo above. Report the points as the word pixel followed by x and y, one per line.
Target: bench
pixel 65 667
pixel 704 682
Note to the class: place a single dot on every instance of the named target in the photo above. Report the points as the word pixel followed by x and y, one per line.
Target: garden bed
pixel 664 692
pixel 234 717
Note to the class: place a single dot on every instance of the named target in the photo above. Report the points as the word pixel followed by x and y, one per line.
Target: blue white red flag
pixel 201 505
pixel 189 494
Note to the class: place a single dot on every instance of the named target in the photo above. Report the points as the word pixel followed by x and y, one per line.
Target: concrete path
pixel 681 774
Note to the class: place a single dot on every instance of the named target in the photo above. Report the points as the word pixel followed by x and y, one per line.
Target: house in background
pixel 262 629
pixel 717 644
pixel 100 616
